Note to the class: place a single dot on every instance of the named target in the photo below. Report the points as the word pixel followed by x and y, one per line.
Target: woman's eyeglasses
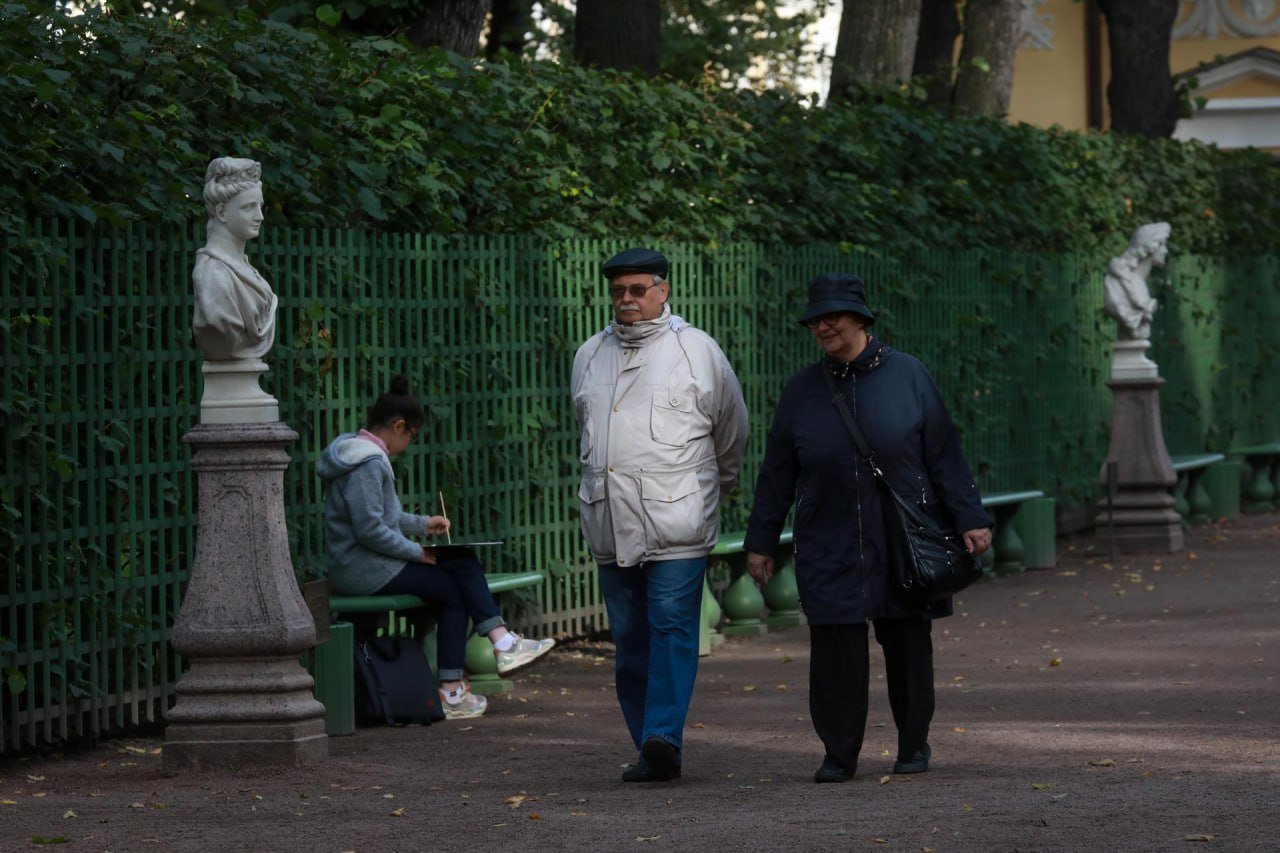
pixel 829 319
pixel 637 291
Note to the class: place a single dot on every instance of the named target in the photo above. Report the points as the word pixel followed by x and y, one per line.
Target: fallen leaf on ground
pixel 1055 662
pixel 397 812
pixel 534 816
pixel 515 801
pixel 647 837
pixel 1041 786
pixel 699 725
pixel 68 814
pixel 1198 837
pixel 1102 762
pixel 884 780
pixel 31 778
pixel 750 688
pixel 958 729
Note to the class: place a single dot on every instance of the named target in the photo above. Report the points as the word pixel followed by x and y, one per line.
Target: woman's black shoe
pixel 832 771
pixel 919 762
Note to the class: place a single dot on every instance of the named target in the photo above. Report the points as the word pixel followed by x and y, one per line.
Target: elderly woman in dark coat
pixel 839 526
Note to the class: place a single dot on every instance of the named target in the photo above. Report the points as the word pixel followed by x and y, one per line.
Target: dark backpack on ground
pixel 394 684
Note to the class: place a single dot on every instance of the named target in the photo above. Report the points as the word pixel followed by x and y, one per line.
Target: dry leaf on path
pixel 884 780
pixel 68 814
pixel 1102 762
pixel 647 837
pixel 534 816
pixel 397 812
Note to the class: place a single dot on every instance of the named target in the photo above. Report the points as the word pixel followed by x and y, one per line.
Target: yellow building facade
pixel 1231 47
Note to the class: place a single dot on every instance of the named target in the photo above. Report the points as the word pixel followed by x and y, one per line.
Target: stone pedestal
pixel 245 701
pixel 1143 515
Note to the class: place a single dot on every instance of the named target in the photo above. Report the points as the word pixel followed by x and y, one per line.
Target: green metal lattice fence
pixel 97 515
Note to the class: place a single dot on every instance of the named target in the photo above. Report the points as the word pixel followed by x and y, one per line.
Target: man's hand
pixel 429 556
pixel 977 540
pixel 437 524
pixel 760 566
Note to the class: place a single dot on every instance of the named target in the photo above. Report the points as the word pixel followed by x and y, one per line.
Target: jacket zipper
pixel 858 498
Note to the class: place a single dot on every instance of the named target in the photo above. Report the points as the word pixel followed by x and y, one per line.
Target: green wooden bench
pixel 1192 499
pixel 1263 477
pixel 1025 537
pixel 355 616
pixel 744 602
pixel 1025 532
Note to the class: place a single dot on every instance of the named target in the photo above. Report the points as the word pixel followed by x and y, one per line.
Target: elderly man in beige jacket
pixel 664 429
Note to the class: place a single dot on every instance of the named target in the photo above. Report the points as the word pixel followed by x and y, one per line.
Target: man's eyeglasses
pixel 637 291
pixel 829 319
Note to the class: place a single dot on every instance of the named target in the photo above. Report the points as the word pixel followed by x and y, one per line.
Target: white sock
pixel 454 696
pixel 505 642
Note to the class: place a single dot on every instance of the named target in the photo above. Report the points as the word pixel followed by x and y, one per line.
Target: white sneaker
pixel 463 707
pixel 523 653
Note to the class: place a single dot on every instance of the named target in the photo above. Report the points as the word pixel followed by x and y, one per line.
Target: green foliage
pixel 116 117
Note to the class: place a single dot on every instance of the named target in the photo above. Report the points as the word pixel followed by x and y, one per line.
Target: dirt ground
pixel 1131 707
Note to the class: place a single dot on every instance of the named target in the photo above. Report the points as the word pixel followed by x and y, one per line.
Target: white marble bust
pixel 235 309
pixel 1127 298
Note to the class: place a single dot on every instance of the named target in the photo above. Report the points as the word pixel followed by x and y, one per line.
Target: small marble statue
pixel 235 310
pixel 1127 297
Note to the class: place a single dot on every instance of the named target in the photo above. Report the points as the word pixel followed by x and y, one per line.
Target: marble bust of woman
pixel 1127 298
pixel 235 309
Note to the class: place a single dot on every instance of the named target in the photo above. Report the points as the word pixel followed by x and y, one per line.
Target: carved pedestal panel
pixel 1142 517
pixel 245 700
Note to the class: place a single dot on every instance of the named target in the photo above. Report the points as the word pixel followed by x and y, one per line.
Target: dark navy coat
pixel 811 462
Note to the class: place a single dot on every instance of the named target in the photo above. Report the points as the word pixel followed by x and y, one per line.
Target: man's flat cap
pixel 636 260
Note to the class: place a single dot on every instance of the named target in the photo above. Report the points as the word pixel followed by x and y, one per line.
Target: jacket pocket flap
pixel 592 489
pixel 669 488
pixel 669 398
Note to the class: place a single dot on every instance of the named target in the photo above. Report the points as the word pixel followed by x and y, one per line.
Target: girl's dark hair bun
pixel 399 385
pixel 398 402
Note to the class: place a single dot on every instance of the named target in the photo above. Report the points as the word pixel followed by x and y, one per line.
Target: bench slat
pixel 1006 498
pixel 1186 462
pixel 734 543
pixel 1268 449
pixel 498 582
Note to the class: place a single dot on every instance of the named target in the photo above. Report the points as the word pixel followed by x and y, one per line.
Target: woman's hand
pixel 760 566
pixel 437 524
pixel 977 540
pixel 429 556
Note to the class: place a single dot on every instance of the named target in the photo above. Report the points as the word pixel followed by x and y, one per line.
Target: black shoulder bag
pixel 930 563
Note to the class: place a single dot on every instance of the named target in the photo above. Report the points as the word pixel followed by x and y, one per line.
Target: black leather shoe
pixel 832 771
pixel 657 763
pixel 919 762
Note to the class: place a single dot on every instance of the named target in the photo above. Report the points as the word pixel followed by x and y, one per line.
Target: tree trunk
pixel 1141 92
pixel 984 79
pixel 451 24
pixel 623 34
pixel 508 27
pixel 936 48
pixel 876 46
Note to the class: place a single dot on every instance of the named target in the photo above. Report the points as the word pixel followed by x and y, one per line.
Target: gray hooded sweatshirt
pixel 366 531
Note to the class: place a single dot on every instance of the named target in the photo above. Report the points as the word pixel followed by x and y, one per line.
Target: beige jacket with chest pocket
pixel 664 429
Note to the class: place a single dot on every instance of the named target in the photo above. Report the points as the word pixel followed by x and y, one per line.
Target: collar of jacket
pixel 871 357
pixel 639 334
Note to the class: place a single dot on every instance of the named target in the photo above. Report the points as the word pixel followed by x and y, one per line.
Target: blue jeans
pixel 459 591
pixel 654 613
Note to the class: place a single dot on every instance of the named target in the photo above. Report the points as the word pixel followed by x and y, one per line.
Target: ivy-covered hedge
pixel 116 119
